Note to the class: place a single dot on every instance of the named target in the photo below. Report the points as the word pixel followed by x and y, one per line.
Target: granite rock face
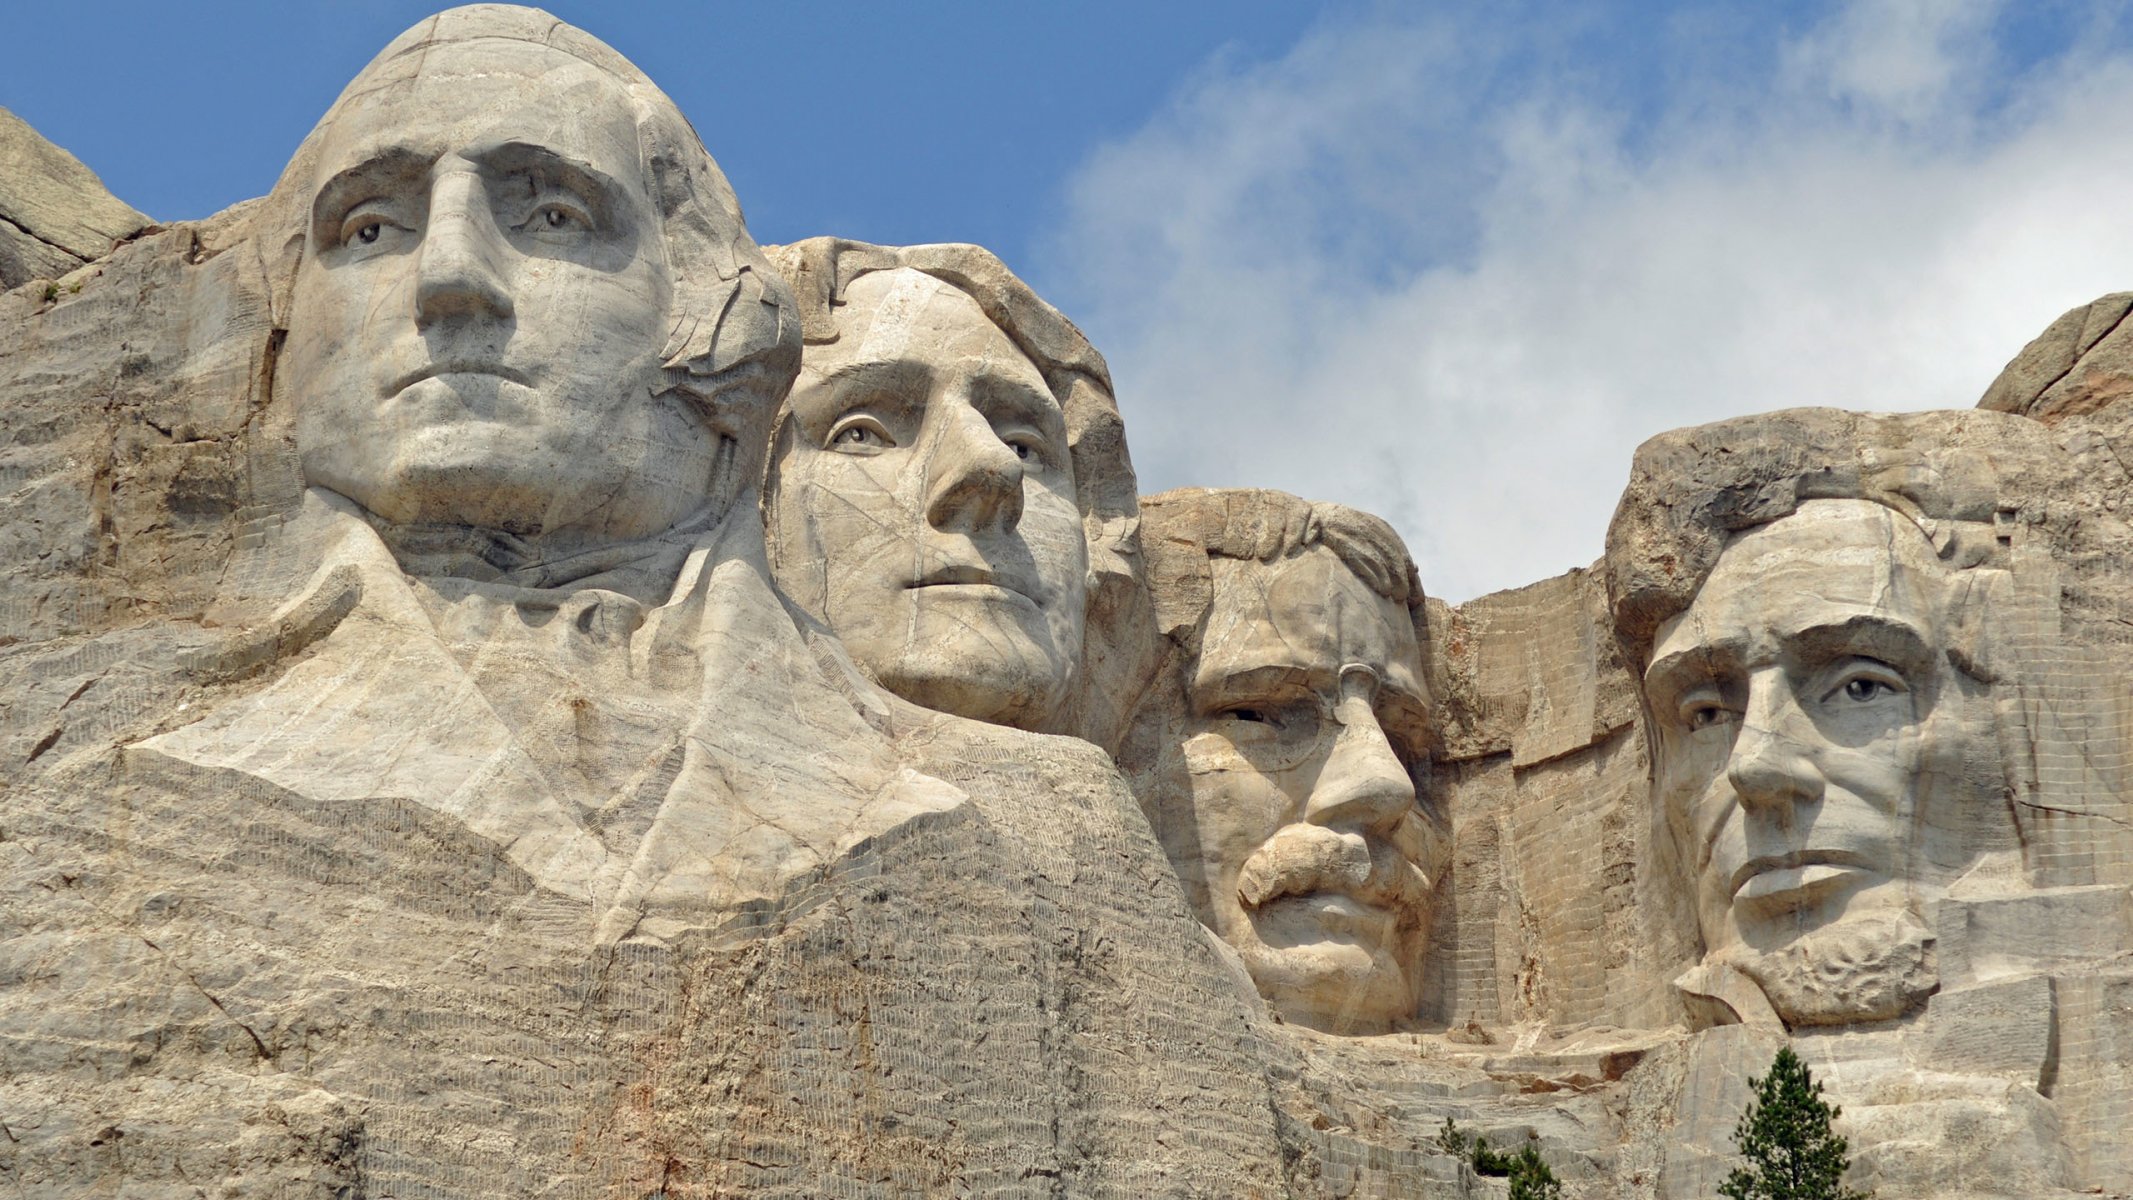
pixel 508 688
pixel 55 214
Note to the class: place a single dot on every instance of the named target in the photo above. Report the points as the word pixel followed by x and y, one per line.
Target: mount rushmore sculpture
pixel 513 689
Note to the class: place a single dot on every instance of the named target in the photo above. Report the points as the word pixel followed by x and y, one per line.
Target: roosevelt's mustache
pixel 1302 859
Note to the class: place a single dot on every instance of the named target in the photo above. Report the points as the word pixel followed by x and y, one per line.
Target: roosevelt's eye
pixel 860 434
pixel 1250 715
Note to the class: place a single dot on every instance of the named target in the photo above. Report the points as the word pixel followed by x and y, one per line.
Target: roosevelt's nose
pixel 1363 783
pixel 460 265
pixel 973 479
pixel 1770 767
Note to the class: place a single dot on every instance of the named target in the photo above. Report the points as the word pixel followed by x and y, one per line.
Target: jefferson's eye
pixel 860 433
pixel 1703 716
pixel 1023 451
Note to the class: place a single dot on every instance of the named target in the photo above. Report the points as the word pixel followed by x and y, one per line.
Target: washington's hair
pixel 734 342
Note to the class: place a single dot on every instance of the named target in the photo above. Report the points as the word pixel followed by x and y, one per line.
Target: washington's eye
pixel 557 217
pixel 369 233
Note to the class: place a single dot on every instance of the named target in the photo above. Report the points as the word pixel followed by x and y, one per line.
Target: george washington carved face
pixel 477 324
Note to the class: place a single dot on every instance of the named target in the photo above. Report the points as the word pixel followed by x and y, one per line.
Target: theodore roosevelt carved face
pixel 923 503
pixel 1806 708
pixel 477 323
pixel 1278 758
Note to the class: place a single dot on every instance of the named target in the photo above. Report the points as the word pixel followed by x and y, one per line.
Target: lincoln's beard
pixel 1870 968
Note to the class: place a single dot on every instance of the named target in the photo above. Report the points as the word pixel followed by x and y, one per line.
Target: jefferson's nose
pixel 973 479
pixel 459 268
pixel 1363 783
pixel 1770 767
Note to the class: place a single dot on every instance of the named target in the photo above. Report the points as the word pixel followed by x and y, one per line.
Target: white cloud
pixel 1454 272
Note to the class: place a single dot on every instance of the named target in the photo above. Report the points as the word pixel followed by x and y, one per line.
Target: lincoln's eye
pixel 555 217
pixel 369 233
pixel 1863 690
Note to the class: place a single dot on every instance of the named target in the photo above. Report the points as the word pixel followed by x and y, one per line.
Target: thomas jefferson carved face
pixel 923 504
pixel 1806 708
pixel 1296 830
pixel 477 323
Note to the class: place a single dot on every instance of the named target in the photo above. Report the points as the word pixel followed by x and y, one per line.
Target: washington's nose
pixel 1770 768
pixel 1363 783
pixel 974 480
pixel 459 271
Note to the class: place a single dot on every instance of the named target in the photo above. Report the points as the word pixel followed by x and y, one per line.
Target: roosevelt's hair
pixel 1184 528
pixel 734 339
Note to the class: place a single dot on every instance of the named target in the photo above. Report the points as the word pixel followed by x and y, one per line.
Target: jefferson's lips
pixel 453 367
pixel 1796 867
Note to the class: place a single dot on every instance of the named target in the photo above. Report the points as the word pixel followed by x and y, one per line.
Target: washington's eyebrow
pixel 352 185
pixel 528 158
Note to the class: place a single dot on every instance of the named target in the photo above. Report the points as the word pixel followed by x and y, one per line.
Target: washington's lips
pixel 456 367
pixel 954 575
pixel 1782 874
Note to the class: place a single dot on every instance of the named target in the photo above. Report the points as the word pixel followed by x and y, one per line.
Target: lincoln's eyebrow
pixel 390 167
pixel 1873 635
pixel 1694 664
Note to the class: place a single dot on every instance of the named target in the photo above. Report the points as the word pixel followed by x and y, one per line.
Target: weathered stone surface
pixel 54 212
pixel 429 764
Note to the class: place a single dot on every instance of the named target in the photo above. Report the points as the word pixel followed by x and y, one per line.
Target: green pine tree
pixel 1531 1179
pixel 1785 1136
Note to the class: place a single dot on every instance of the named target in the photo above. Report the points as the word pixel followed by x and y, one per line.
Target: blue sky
pixel 1447 262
